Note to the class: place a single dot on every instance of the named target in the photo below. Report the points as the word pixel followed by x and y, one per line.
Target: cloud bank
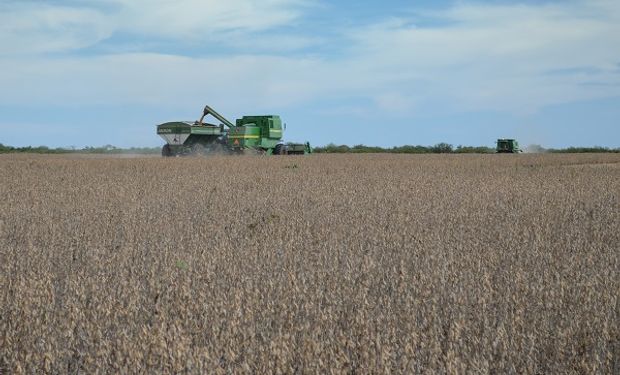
pixel 470 56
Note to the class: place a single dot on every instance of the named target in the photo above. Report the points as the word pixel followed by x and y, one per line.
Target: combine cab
pixel 507 146
pixel 250 134
pixel 258 133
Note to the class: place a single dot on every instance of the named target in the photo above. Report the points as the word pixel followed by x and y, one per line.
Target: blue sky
pixel 386 73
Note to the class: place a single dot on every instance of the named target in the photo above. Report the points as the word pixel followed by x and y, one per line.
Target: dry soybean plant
pixel 319 264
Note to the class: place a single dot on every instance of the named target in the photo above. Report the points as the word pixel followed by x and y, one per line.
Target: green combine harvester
pixel 507 146
pixel 249 135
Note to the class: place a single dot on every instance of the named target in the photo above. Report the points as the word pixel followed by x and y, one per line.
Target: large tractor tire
pixel 166 151
pixel 279 149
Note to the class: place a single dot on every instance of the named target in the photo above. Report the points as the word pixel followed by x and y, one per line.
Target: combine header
pixel 249 134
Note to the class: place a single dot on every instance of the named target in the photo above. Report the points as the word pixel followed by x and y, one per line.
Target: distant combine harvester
pixel 507 146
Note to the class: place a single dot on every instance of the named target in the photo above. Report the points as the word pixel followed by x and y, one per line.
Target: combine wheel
pixel 279 149
pixel 166 151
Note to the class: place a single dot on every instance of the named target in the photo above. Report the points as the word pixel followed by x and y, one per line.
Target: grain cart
pixel 249 134
pixel 507 146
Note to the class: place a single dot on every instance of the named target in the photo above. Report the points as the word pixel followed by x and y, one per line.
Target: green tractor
pixel 507 146
pixel 249 134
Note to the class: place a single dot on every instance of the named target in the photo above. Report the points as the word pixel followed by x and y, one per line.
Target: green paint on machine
pixel 507 146
pixel 254 134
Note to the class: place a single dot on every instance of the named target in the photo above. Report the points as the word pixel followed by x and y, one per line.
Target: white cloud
pixel 498 57
pixel 197 19
pixel 34 28
pixel 154 79
pixel 480 57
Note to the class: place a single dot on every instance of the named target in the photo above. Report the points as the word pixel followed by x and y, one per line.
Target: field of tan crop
pixel 317 264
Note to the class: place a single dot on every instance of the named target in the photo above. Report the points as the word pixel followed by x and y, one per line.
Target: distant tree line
pixel 440 148
pixel 107 149
pixel 580 150
pixel 446 148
